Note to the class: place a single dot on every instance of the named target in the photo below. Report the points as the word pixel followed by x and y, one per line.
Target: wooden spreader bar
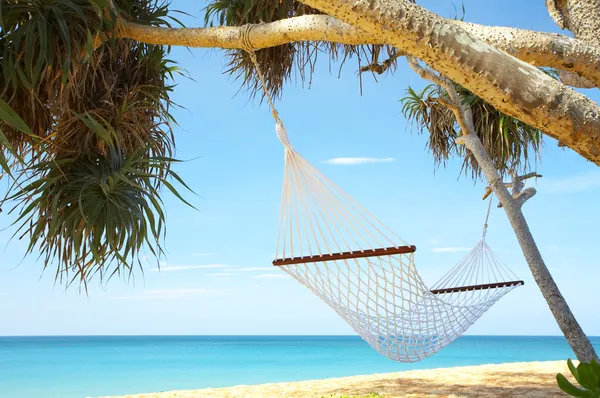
pixel 476 287
pixel 345 255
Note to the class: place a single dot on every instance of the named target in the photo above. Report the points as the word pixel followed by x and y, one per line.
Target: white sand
pixel 523 379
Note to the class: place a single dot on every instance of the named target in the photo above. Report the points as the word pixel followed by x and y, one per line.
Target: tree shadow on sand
pixel 499 384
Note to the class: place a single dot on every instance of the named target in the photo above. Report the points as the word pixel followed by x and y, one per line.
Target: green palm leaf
pixel 510 143
pixel 86 133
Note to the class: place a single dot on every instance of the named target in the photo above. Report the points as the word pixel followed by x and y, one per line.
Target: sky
pixel 217 277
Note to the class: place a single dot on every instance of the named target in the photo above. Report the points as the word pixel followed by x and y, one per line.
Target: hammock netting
pixel 367 274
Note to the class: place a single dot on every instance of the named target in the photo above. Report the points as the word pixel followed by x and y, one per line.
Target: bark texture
pixel 535 48
pixel 582 18
pixel 512 86
pixel 576 58
pixel 577 339
pixel 303 28
pixel 512 202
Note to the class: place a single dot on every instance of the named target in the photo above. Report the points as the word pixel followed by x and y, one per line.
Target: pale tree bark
pixel 565 319
pixel 510 85
pixel 514 87
pixel 512 204
pixel 535 48
pixel 582 18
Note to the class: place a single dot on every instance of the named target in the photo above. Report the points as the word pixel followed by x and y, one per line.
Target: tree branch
pixel 522 197
pixel 513 87
pixel 582 18
pixel 530 175
pixel 517 186
pixel 510 85
pixel 536 48
pixel 380 68
pixel 303 28
pixel 463 113
pixel 555 13
pixel 525 196
pixel 578 62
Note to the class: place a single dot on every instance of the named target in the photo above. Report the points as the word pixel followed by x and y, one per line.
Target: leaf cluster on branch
pixel 512 144
pixel 90 142
pixel 281 63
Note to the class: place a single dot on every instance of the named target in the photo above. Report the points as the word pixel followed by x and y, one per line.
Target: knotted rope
pixel 378 293
pixel 247 46
pixel 487 217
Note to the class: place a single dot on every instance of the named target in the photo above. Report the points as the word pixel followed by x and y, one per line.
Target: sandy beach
pixel 523 379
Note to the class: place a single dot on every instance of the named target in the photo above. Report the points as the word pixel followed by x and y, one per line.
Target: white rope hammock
pixel 367 275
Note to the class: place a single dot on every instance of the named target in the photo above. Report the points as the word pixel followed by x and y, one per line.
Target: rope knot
pixel 246 45
pixel 282 133
pixel 245 38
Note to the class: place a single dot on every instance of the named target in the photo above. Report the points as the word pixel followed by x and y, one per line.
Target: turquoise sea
pixel 89 366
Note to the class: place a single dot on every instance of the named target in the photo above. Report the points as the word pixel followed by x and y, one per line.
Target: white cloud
pixel 233 270
pixel 353 161
pixel 570 184
pixel 169 268
pixel 160 294
pixel 250 269
pixel 454 249
pixel 270 276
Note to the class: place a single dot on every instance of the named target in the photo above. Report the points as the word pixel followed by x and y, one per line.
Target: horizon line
pixel 263 335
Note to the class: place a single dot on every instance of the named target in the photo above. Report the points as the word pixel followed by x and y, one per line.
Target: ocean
pixel 90 366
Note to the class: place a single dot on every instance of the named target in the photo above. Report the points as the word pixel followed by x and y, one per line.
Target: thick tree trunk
pixel 535 48
pixel 510 85
pixel 469 54
pixel 582 18
pixel 578 341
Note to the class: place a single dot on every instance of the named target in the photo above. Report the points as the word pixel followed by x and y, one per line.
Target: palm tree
pixel 512 144
pixel 85 134
pixel 491 144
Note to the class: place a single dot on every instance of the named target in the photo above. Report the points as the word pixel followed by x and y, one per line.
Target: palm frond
pixel 511 143
pixel 281 64
pixel 93 215
pixel 89 169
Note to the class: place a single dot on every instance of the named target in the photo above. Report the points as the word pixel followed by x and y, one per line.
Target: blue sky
pixel 218 278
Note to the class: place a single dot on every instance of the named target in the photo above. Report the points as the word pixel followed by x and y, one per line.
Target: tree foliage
pixel 94 142
pixel 588 377
pixel 86 126
pixel 512 144
pixel 280 64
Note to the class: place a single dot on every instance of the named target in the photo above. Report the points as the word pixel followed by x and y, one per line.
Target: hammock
pixel 367 274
